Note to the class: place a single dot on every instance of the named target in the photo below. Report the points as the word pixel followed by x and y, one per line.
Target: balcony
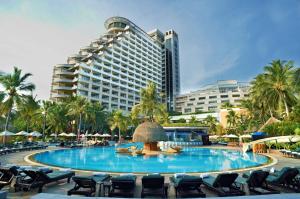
pixel 62 88
pixel 62 80
pixel 56 95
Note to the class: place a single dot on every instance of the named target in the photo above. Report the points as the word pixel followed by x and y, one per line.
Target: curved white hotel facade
pixel 113 68
pixel 212 96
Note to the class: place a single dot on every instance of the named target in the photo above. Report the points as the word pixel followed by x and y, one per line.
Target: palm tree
pixel 77 108
pixel 226 105
pixel 275 87
pixel 44 110
pixel 211 122
pixel 15 88
pixel 57 117
pixel 118 120
pixel 150 106
pixel 95 115
pixel 27 110
pixel 232 119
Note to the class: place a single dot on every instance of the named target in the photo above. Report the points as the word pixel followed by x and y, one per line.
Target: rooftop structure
pixel 113 68
pixel 212 96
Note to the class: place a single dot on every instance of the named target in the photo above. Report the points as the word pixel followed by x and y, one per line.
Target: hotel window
pixel 224 96
pixel 192 99
pixel 201 98
pixel 200 103
pixel 212 102
pixel 187 110
pixel 190 104
pixel 212 97
pixel 236 95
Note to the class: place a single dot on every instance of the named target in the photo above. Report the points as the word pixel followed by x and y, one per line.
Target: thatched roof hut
pixel 271 120
pixel 149 132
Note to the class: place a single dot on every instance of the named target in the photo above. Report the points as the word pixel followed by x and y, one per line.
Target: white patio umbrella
pixel 62 134
pixel 230 136
pixel 246 136
pixel 71 135
pixel 88 135
pixel 24 133
pixel 6 133
pixel 35 134
pixel 53 135
pixel 213 136
pixel 97 135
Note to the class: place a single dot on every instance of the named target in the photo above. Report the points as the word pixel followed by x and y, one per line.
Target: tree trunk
pixel 119 135
pixel 44 126
pixel 79 126
pixel 271 113
pixel 7 119
pixel 286 108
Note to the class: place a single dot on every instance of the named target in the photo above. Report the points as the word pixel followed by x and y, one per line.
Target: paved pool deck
pixel 62 187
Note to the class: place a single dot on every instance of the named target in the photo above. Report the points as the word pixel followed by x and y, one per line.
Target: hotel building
pixel 211 97
pixel 113 68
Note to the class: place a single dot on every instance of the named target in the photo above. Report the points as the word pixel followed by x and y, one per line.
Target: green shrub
pixel 282 128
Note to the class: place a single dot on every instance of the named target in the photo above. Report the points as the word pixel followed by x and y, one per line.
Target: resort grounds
pixel 62 187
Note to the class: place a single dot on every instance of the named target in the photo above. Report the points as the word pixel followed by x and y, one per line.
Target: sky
pixel 218 39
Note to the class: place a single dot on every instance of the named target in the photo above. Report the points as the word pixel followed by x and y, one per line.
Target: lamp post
pixel 44 124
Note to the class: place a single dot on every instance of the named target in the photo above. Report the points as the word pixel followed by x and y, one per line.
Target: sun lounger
pixel 286 177
pixel 37 179
pixel 86 185
pixel 187 186
pixel 257 183
pixel 224 184
pixel 154 185
pixel 123 186
pixel 6 176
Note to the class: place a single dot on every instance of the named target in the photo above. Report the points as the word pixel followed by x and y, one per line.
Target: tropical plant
pixel 57 118
pixel 119 121
pixel 77 108
pixel 27 111
pixel 150 106
pixel 16 88
pixel 232 119
pixel 226 105
pixel 211 122
pixel 274 88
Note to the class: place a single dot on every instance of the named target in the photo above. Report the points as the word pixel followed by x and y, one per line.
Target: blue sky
pixel 219 39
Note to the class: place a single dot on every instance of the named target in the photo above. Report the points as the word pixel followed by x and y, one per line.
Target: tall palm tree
pixel 15 88
pixel 27 110
pixel 95 115
pixel 276 86
pixel 226 105
pixel 232 119
pixel 150 105
pixel 77 108
pixel 57 118
pixel 44 111
pixel 211 122
pixel 118 120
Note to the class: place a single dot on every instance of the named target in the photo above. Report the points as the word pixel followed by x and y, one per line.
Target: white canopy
pixel 97 135
pixel 71 135
pixel 35 134
pixel 6 133
pixel 63 134
pixel 105 135
pixel 53 135
pixel 88 135
pixel 230 136
pixel 22 133
pixel 214 136
pixel 246 136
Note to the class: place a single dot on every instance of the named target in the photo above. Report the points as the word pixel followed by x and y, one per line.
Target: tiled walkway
pixel 62 187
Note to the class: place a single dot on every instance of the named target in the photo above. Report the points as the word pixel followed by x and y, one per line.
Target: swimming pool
pixel 190 160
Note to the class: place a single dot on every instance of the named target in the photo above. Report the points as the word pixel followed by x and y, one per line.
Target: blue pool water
pixel 190 160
